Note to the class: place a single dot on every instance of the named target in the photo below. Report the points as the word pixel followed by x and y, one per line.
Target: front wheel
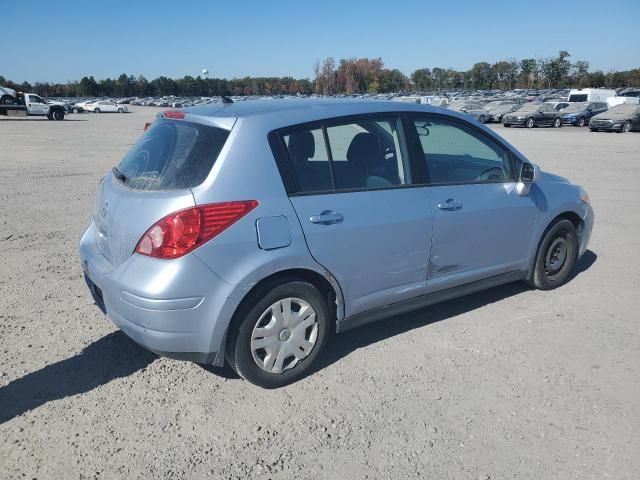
pixel 530 122
pixel 581 122
pixel 96 110
pixel 58 114
pixel 278 336
pixel 75 110
pixel 626 128
pixel 556 256
pixel 120 110
pixel 557 122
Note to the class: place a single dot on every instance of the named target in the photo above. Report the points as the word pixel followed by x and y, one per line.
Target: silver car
pixel 248 232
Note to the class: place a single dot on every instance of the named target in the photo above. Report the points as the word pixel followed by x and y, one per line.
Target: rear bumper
pixel 171 307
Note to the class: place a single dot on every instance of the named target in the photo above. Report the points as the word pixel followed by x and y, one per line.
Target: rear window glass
pixel 172 155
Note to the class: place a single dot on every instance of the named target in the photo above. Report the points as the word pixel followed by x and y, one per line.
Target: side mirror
pixel 529 173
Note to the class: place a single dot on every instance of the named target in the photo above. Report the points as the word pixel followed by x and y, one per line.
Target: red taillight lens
pixel 177 114
pixel 146 125
pixel 179 233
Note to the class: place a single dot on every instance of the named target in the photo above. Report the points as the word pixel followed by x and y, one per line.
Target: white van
pixel 590 95
pixel 613 101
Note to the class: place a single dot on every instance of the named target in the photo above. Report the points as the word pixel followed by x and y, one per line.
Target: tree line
pixel 351 76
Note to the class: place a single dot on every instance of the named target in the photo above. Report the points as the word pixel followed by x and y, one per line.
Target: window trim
pixel 418 166
pixel 511 158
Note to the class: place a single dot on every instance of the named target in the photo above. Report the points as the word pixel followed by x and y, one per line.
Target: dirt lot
pixel 506 384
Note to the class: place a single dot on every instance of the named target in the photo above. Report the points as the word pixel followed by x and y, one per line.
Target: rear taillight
pixel 146 125
pixel 177 114
pixel 181 232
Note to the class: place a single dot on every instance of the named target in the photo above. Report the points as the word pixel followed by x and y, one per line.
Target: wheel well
pixel 573 217
pixel 314 278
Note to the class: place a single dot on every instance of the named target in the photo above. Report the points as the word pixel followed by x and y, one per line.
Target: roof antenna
pixel 226 99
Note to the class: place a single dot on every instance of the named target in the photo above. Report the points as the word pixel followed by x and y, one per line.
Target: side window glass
pixel 457 154
pixel 368 154
pixel 309 159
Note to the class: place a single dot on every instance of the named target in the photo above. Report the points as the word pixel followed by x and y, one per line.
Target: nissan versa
pixel 250 231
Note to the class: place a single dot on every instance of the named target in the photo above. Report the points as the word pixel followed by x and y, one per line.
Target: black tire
pixel 626 127
pixel 7 100
pixel 593 129
pixel 508 125
pixel 482 119
pixel 49 116
pixel 120 110
pixel 530 123
pixel 238 351
pixel 75 110
pixel 557 122
pixel 58 114
pixel 581 122
pixel 96 110
pixel 556 257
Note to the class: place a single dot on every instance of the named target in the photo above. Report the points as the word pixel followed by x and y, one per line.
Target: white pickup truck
pixel 14 104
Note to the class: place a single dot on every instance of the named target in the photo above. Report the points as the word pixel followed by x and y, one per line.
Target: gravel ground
pixel 508 383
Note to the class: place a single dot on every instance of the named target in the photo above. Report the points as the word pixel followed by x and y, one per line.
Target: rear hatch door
pixel 153 180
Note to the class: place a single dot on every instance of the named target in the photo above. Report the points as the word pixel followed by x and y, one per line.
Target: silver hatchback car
pixel 249 232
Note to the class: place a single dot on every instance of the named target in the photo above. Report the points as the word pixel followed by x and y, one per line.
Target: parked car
pixel 621 118
pixel 107 106
pixel 220 234
pixel 476 111
pixel 559 105
pixel 496 113
pixel 533 115
pixel 580 113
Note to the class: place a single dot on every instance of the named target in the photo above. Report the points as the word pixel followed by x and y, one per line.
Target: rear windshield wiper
pixel 119 175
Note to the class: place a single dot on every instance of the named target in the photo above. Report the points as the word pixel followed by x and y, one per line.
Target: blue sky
pixel 60 40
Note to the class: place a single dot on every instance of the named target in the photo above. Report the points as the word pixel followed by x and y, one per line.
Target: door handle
pixel 327 217
pixel 450 204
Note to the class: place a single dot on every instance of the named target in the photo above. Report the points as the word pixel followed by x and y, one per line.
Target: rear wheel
pixel 508 125
pixel 530 122
pixel 626 128
pixel 120 110
pixel 581 122
pixel 96 110
pixel 556 257
pixel 557 122
pixel 58 114
pixel 281 332
pixel 75 110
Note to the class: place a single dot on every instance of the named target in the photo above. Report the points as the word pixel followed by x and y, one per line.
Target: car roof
pixel 291 111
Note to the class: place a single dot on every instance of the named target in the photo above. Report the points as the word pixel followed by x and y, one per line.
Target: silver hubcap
pixel 284 335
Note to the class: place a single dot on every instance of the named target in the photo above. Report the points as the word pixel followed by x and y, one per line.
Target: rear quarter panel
pixel 246 170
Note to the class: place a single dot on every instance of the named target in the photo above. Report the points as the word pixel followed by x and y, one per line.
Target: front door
pixel 362 217
pixel 482 226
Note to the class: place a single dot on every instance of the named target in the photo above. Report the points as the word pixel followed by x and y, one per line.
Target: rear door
pixel 363 217
pixel 153 180
pixel 482 227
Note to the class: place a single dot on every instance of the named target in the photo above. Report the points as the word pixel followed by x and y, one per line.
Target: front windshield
pixel 625 108
pixel 575 107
